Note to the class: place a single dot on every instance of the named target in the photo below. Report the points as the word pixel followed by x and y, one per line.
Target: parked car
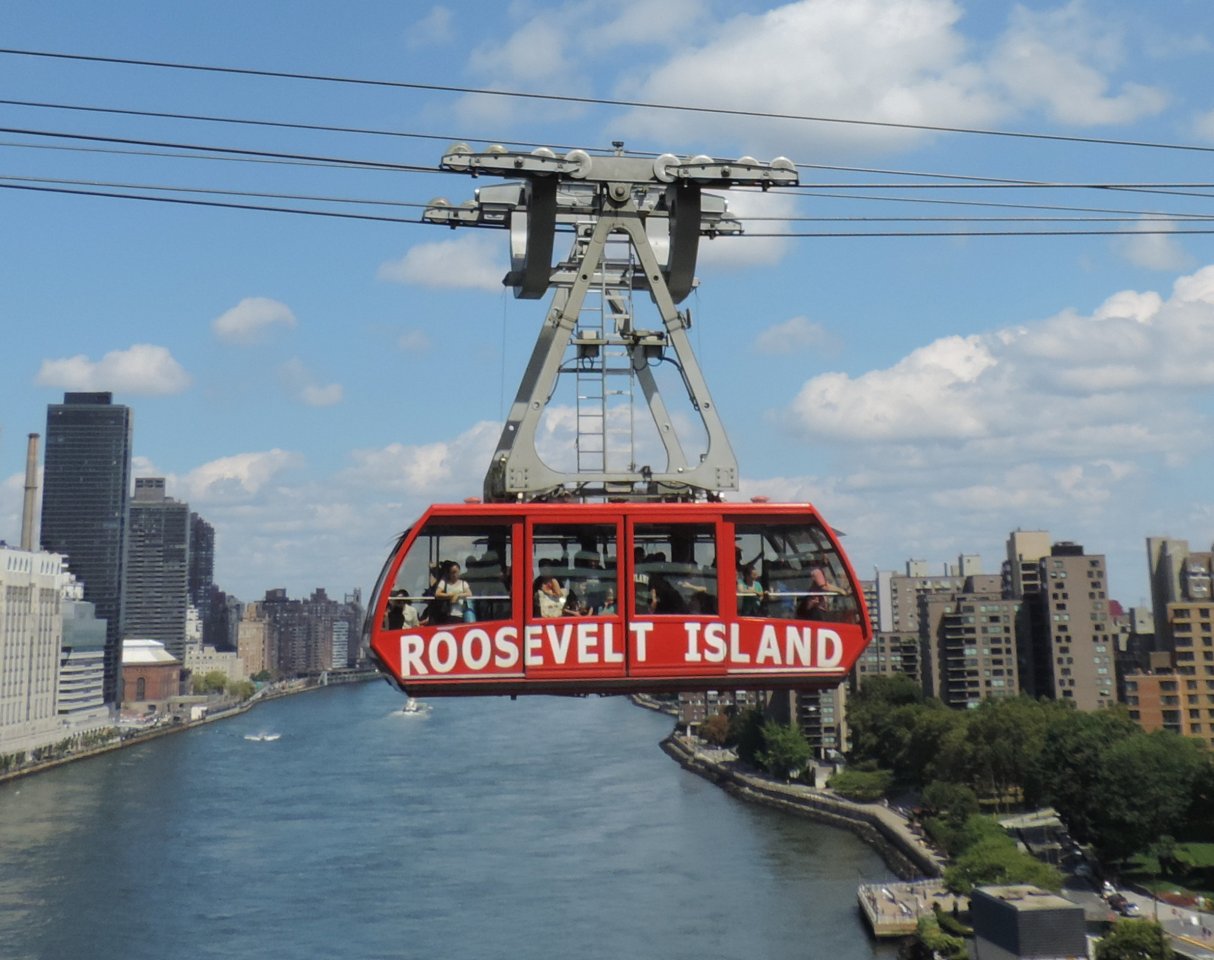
pixel 1131 910
pixel 1118 902
pixel 1107 890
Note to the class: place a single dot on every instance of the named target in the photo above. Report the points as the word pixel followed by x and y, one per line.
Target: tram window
pixel 484 555
pixel 802 574
pixel 675 568
pixel 582 559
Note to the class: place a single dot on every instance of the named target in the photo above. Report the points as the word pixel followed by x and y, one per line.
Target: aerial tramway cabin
pixel 658 597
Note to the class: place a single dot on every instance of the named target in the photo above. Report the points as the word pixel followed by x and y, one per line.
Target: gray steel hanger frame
pixel 659 206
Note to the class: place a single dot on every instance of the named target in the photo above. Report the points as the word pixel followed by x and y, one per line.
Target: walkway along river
pixel 540 828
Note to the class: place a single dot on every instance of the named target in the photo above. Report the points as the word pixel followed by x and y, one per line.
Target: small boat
pixel 415 706
pixel 262 737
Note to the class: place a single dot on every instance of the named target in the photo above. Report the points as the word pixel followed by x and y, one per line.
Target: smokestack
pixel 31 493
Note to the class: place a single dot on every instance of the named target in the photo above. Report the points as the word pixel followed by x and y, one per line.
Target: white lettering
pixel 714 640
pixel 797 645
pixel 735 645
pixel 441 663
pixel 506 645
pixel 587 641
pixel 473 637
pixel 640 633
pixel 411 664
pixel 610 653
pixel 836 643
pixel 533 645
pixel 559 639
pixel 769 646
pixel 693 635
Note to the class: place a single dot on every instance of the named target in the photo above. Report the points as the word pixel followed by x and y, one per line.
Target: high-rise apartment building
pixel 969 643
pixel 1071 652
pixel 1175 690
pixel 157 580
pixel 86 488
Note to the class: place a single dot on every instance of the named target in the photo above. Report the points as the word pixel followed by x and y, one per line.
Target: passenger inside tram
pixel 550 599
pixel 750 593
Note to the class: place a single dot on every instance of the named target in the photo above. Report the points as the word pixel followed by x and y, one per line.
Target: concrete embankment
pixel 884 829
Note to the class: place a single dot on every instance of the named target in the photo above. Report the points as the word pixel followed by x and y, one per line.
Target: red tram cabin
pixel 616 597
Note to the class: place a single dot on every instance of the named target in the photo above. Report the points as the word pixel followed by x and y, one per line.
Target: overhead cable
pixel 600 101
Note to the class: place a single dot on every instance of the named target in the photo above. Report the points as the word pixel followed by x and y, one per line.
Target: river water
pixel 537 828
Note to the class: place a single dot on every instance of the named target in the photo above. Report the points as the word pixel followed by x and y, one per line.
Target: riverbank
pixel 887 831
pixel 132 737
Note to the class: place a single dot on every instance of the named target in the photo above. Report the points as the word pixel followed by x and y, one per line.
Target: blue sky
pixel 309 384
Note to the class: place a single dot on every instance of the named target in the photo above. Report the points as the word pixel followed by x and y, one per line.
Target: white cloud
pixel 414 341
pixel 1059 59
pixel 899 61
pixel 793 336
pixel 434 28
pixel 251 319
pixel 140 369
pixel 1203 125
pixel 302 384
pixel 444 470
pixel 763 240
pixel 473 260
pixel 1069 387
pixel 534 55
pixel 1153 251
pixel 236 478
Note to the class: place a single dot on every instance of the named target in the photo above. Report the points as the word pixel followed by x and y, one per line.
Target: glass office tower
pixel 85 495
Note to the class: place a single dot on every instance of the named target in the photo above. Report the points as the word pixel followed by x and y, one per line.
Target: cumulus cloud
pixel 900 61
pixel 794 335
pixel 414 341
pixel 236 478
pixel 140 369
pixel 470 261
pixel 304 387
pixel 764 223
pixel 1153 250
pixel 1069 386
pixel 1060 59
pixel 1203 125
pixel 444 470
pixel 251 319
pixel 436 27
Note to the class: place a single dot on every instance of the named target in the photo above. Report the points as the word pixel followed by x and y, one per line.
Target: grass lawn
pixel 1196 878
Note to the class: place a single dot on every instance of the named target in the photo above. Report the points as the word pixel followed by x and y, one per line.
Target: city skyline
pixel 309 384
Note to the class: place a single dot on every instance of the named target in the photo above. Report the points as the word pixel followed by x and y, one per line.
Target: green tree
pixel 1146 784
pixel 746 734
pixel 999 862
pixel 785 749
pixel 877 725
pixel 932 943
pixel 242 689
pixel 955 803
pixel 1005 738
pixel 261 676
pixel 1135 940
pixel 715 730
pixel 929 726
pixel 214 681
pixel 862 786
pixel 1070 762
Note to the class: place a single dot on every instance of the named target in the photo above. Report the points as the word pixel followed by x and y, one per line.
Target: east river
pixel 530 829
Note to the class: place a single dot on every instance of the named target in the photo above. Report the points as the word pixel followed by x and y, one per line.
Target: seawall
pixel 885 830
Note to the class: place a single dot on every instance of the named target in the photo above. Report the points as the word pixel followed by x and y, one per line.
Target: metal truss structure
pixel 659 209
